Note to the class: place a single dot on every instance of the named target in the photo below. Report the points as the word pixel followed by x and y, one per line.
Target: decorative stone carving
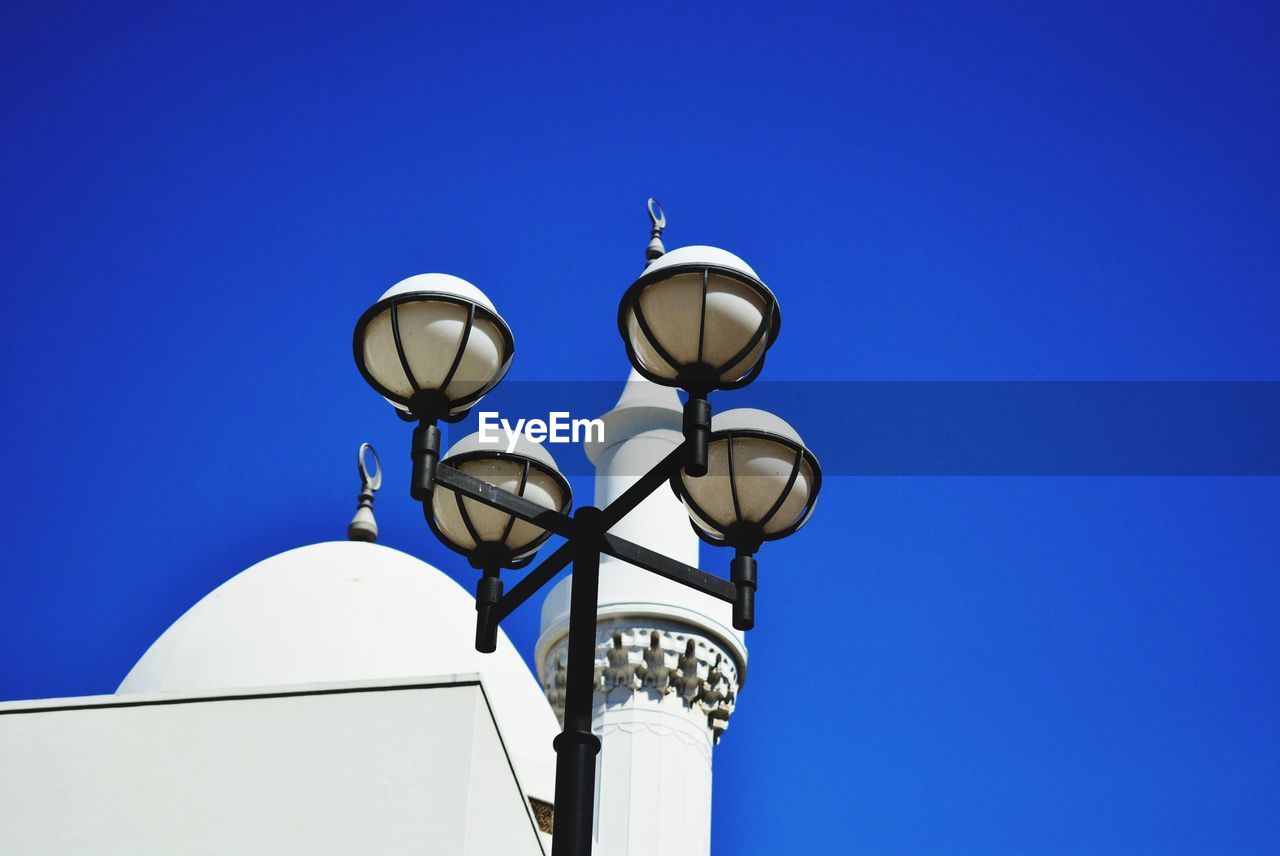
pixel 709 690
pixel 690 680
pixel 555 687
pixel 655 672
pixel 670 667
pixel 717 698
pixel 620 671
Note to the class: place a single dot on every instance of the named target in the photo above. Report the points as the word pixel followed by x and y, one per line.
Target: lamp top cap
pixel 440 282
pixel 751 419
pixel 701 255
pixel 501 442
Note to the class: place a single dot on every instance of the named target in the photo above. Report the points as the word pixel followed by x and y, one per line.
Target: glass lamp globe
pixel 761 482
pixel 433 346
pixel 483 533
pixel 698 318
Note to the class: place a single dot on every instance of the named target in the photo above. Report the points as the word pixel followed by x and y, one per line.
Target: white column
pixel 668 661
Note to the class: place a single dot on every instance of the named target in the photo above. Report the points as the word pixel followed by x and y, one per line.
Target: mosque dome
pixel 346 611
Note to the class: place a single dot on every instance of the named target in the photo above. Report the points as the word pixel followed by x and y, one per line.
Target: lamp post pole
pixel 576 747
pixel 434 345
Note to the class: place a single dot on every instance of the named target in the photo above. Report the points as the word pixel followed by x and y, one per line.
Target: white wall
pixel 337 769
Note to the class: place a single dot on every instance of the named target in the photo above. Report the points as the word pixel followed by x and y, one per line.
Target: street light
pixel 490 538
pixel 698 318
pixel 482 533
pixel 761 485
pixel 433 345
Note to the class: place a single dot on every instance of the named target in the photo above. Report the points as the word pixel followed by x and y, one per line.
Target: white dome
pixel 344 611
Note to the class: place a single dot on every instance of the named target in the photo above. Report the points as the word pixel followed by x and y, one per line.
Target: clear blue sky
pixel 200 202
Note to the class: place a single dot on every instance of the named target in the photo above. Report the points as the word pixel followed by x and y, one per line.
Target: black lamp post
pixel 699 319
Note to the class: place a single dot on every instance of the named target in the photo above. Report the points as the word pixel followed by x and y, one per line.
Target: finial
pixel 659 220
pixel 363 527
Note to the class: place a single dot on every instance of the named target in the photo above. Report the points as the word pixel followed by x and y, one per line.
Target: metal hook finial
pixel 363 527
pixel 373 482
pixel 659 220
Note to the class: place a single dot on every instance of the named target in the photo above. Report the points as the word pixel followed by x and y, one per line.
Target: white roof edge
pixel 135 699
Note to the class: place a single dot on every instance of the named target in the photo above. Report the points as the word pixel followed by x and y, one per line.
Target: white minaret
pixel 668 661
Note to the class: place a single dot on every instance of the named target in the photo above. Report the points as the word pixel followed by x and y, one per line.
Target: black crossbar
pixel 563 525
pixel 663 566
pixel 495 497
